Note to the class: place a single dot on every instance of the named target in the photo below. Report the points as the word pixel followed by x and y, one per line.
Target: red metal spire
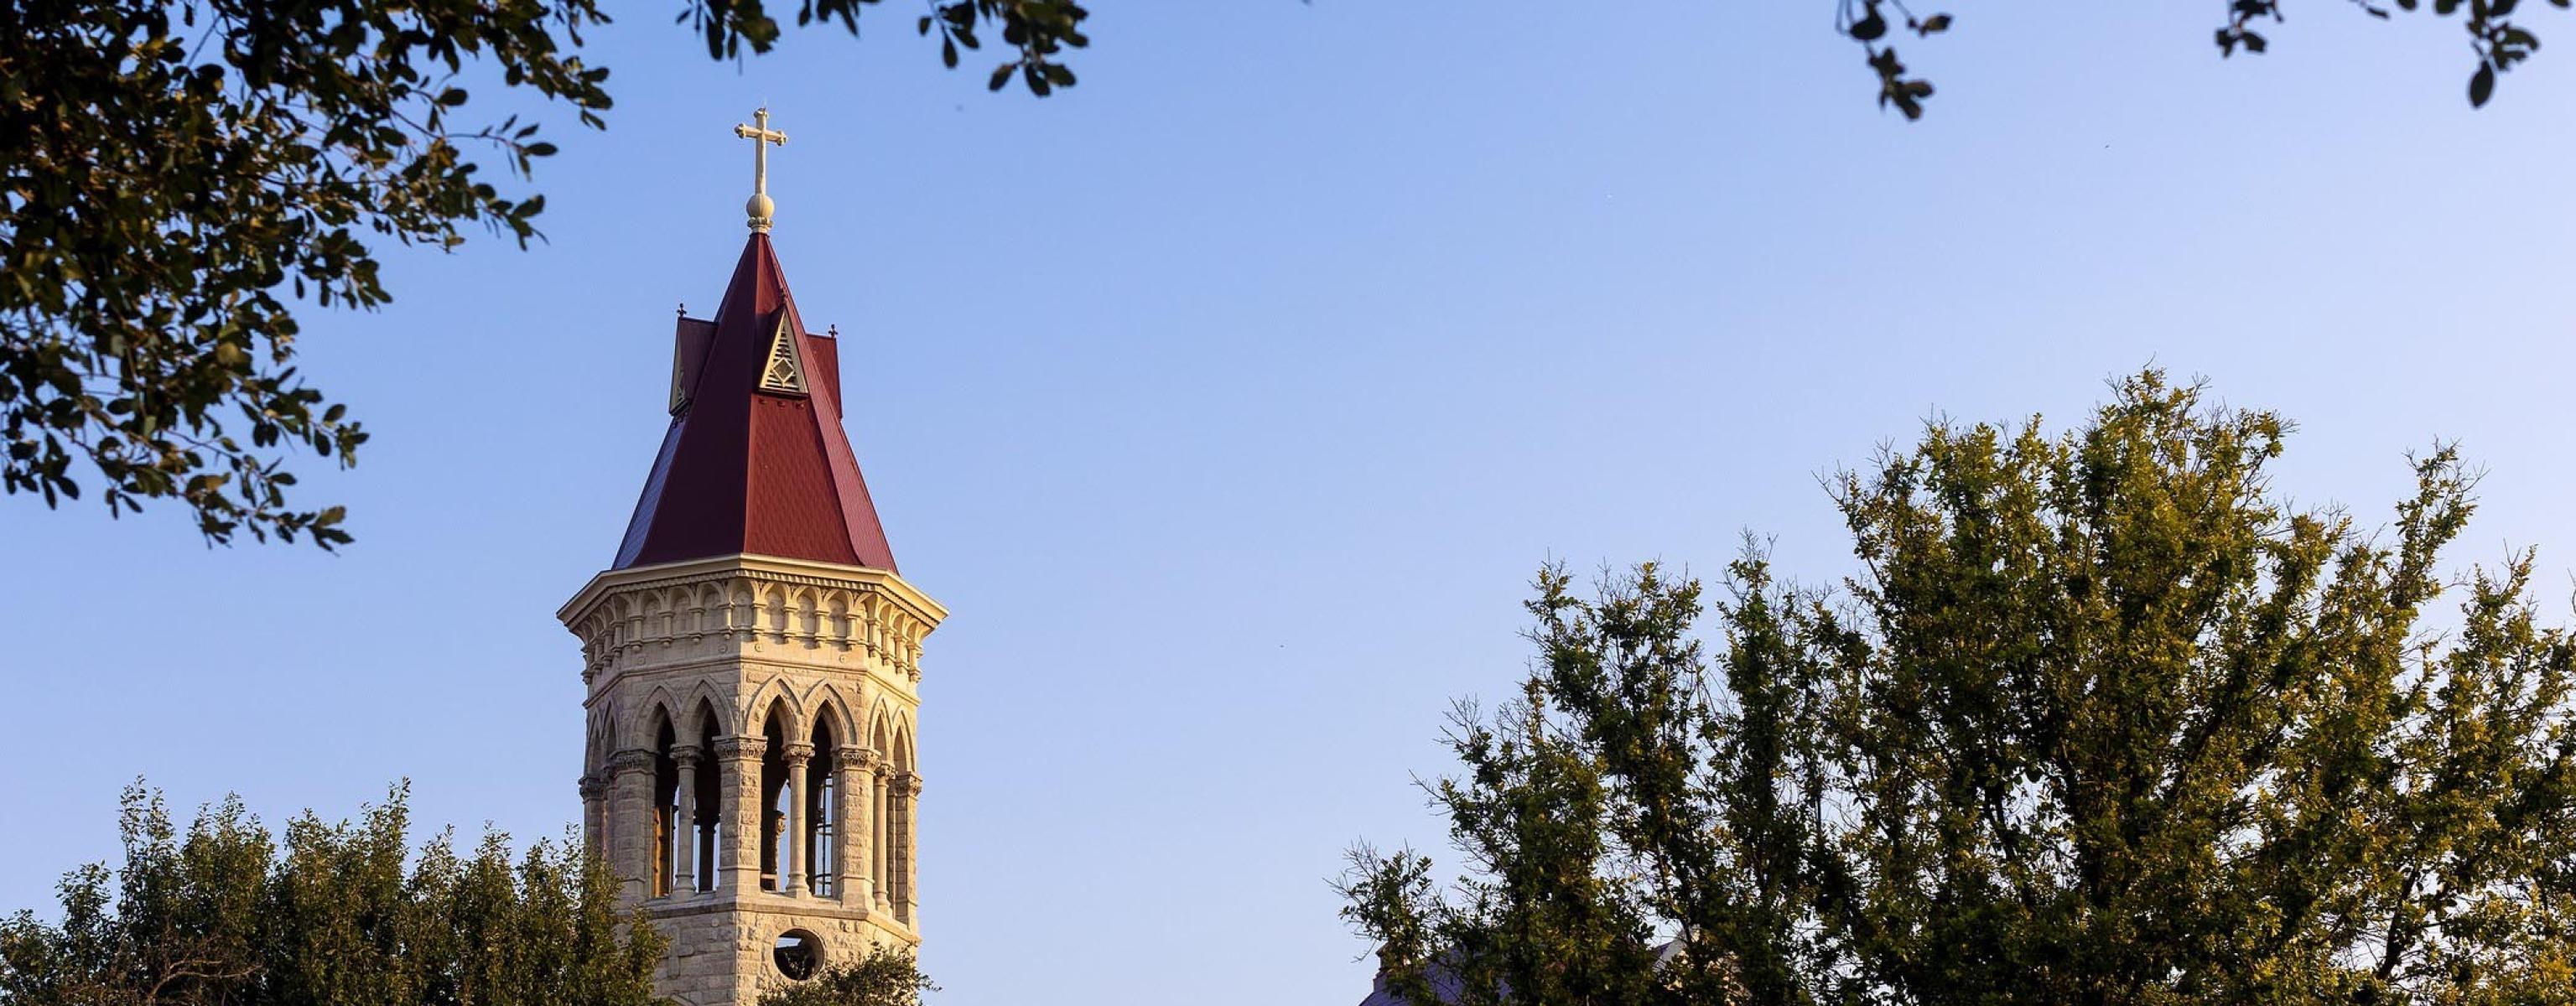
pixel 755 461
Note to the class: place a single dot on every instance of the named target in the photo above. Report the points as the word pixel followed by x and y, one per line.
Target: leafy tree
pixel 885 977
pixel 229 915
pixel 179 180
pixel 2496 40
pixel 2102 719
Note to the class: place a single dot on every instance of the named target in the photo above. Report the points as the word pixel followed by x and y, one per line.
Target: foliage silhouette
pixel 2102 719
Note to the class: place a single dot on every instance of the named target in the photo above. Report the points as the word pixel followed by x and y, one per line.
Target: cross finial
pixel 761 136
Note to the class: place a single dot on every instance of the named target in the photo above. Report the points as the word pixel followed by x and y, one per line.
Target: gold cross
pixel 761 136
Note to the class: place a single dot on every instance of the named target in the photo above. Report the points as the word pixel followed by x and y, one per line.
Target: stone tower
pixel 753 660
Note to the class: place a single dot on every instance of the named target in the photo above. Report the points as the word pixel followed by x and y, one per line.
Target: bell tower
pixel 753 660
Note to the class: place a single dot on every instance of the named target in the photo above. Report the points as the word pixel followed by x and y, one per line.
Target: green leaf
pixel 1870 28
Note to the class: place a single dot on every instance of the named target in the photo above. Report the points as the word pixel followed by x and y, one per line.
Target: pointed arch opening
pixel 823 807
pixel 666 802
pixel 773 788
pixel 881 809
pixel 705 832
pixel 901 812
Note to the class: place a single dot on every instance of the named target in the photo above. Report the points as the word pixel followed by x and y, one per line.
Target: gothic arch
pixel 704 716
pixel 825 811
pixel 836 623
pixel 777 692
pixel 658 717
pixel 804 612
pixel 706 822
pixel 710 606
pixel 656 608
pixel 603 738
pixel 779 710
pixel 881 731
pixel 833 711
pixel 900 824
pixel 774 606
pixel 657 709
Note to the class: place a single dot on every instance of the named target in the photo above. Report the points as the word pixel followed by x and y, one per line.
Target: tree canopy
pixel 182 182
pixel 228 914
pixel 2102 718
pixel 179 182
pixel 2496 41
pixel 885 977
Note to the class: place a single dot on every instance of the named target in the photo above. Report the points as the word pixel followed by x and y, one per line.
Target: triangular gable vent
pixel 786 369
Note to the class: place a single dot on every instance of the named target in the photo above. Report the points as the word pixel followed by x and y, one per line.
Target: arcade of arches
pixel 836 817
pixel 764 825
pixel 835 813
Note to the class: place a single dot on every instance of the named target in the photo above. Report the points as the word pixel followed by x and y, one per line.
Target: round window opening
pixel 799 954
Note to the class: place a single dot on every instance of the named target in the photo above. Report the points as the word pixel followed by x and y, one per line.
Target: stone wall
pixel 752 668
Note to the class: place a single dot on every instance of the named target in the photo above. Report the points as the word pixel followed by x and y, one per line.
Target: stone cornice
pixel 758 567
pixel 736 606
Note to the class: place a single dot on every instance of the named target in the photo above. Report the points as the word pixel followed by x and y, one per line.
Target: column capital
pixel 631 760
pixel 741 748
pixel 853 756
pixel 594 787
pixel 687 754
pixel 797 753
pixel 907 783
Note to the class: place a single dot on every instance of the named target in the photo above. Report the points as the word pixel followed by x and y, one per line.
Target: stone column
pixel 594 819
pixel 791 845
pixel 908 791
pixel 855 790
pixel 738 778
pixel 684 826
pixel 630 805
pixel 881 820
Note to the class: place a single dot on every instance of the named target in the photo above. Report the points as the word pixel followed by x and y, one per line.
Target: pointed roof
pixel 755 460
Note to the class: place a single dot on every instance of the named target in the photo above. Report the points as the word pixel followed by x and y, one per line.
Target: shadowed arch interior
pixel 706 811
pixel 822 806
pixel 775 731
pixel 666 800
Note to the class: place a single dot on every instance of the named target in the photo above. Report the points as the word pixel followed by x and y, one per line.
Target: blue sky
pixel 1230 398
